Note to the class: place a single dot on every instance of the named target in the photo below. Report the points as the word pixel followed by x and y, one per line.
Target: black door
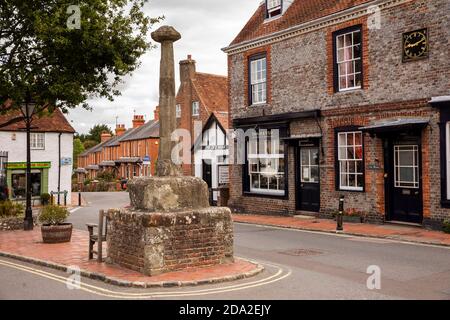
pixel 404 179
pixel 207 173
pixel 308 179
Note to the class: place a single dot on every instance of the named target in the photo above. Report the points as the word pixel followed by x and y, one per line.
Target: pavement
pixel 385 231
pixel 28 246
pixel 299 264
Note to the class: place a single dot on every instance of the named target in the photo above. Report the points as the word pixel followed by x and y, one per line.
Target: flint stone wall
pixel 153 243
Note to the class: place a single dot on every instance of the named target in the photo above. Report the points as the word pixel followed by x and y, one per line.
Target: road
pixel 299 265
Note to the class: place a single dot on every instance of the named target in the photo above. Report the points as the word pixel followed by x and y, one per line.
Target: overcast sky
pixel 206 26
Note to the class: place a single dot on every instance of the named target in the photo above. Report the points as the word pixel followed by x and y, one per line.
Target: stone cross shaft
pixel 166 35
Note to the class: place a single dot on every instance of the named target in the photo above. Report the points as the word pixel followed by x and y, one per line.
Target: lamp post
pixel 27 111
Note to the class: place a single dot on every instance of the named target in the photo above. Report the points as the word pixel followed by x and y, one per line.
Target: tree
pixel 89 144
pixel 59 55
pixel 78 148
pixel 95 133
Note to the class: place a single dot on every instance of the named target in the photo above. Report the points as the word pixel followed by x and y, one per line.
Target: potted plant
pixel 45 199
pixel 446 226
pixel 54 229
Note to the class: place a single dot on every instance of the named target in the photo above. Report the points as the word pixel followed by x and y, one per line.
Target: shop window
pixel 19 181
pixel 350 164
pixel 266 165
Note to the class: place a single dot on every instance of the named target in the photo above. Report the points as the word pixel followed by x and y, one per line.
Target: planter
pixel 354 219
pixel 56 234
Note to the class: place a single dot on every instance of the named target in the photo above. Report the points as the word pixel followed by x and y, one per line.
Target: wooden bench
pixel 98 238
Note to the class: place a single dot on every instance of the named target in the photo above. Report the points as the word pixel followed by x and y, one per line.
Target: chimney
pixel 105 136
pixel 156 113
pixel 187 69
pixel 120 129
pixel 138 121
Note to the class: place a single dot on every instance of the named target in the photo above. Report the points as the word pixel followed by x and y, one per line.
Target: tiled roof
pixel 148 130
pixel 299 12
pixel 222 117
pixel 56 122
pixel 212 90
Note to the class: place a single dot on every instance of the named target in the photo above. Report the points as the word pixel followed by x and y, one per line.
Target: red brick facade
pixel 302 95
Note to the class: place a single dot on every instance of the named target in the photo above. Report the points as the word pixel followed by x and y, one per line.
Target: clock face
pixel 415 45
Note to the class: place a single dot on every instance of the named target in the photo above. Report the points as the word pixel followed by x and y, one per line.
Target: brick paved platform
pixel 386 231
pixel 28 246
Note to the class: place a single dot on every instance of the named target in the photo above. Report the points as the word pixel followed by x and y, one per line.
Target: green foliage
pixel 11 209
pixel 78 148
pixel 45 198
pixel 89 144
pixel 105 176
pixel 96 131
pixel 42 58
pixel 446 226
pixel 87 182
pixel 53 215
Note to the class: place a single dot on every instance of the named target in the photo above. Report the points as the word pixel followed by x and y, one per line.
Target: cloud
pixel 206 26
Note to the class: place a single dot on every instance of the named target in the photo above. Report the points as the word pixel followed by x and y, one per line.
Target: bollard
pixel 340 215
pixel 51 198
pixel 79 199
pixel 65 198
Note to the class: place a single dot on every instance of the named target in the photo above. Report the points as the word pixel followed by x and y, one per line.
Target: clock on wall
pixel 415 45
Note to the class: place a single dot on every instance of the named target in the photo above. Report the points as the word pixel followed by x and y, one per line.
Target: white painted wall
pixel 17 153
pixel 209 139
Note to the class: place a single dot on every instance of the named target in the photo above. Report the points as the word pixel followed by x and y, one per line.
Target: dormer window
pixel 273 8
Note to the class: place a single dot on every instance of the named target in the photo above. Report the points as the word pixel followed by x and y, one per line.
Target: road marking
pixel 343 235
pixel 278 276
pixel 74 209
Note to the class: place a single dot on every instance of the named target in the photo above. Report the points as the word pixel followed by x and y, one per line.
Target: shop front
pixel 16 179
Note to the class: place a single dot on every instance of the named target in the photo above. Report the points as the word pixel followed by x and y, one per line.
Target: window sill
pixel 351 190
pixel 266 195
pixel 344 91
pixel 261 104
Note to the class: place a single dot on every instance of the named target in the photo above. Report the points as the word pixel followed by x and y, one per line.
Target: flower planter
pixel 56 234
pixel 354 219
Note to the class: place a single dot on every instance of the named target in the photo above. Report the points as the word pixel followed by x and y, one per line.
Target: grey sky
pixel 206 26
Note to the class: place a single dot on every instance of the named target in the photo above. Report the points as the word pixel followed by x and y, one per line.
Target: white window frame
pixel 258 80
pixel 37 141
pixel 195 109
pixel 345 160
pixel 344 62
pixel 309 166
pixel 178 111
pixel 415 184
pixel 254 157
pixel 272 7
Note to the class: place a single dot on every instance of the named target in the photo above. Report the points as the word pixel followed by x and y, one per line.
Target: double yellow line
pixel 278 276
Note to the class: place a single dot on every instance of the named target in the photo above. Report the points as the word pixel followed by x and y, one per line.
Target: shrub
pixel 87 182
pixel 53 215
pixel 45 198
pixel 446 226
pixel 106 176
pixel 11 209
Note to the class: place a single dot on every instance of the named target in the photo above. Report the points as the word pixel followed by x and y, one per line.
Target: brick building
pixel 199 96
pixel 130 153
pixel 359 93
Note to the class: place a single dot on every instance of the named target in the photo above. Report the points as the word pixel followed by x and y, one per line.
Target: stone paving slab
pixel 397 232
pixel 28 246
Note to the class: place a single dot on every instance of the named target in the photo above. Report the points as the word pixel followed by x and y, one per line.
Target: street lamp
pixel 27 111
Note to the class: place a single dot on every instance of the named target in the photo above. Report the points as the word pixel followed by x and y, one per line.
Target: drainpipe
pixel 59 168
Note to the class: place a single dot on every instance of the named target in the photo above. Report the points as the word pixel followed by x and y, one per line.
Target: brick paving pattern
pixel 29 244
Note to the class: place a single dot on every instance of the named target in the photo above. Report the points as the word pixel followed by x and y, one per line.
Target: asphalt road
pixel 299 265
